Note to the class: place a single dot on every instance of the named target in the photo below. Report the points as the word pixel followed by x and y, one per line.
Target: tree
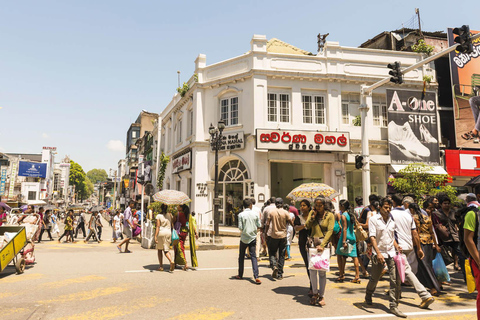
pixel 95 175
pixel 88 187
pixel 77 178
pixel 416 180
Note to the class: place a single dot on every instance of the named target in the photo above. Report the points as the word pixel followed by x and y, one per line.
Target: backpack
pixel 461 221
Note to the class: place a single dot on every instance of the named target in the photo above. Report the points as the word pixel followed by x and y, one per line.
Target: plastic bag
pixel 470 278
pixel 319 260
pixel 400 259
pixel 440 268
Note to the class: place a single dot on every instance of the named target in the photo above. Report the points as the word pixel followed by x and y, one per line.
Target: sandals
pixel 356 280
pixel 160 269
pixel 469 135
pixel 314 299
pixel 321 301
pixel 340 279
pixel 172 267
pixel 365 275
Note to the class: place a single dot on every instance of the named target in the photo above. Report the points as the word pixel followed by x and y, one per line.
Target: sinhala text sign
pixel 296 140
pixel 412 127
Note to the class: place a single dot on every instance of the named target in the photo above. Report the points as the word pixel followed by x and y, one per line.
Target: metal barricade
pixel 205 227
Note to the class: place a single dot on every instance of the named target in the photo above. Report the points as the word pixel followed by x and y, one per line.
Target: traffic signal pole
pixel 366 106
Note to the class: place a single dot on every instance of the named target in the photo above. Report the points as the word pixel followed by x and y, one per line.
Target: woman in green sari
pixel 192 226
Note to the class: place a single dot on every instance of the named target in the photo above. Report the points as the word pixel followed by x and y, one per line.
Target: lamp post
pixel 216 143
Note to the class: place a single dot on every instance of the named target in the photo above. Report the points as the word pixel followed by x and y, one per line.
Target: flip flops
pixel 469 135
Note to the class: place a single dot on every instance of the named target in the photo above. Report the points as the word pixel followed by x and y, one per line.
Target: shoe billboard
pixel 413 127
pixel 465 72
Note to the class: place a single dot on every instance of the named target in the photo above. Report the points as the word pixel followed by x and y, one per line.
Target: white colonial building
pixel 289 118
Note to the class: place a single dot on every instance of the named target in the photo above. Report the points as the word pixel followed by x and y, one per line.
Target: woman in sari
pixel 182 228
pixel 429 245
pixel 193 235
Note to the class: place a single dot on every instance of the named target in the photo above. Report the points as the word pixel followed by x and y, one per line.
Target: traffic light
pixel 463 39
pixel 359 163
pixel 396 73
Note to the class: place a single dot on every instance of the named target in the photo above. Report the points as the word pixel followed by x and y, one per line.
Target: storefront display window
pixel 287 176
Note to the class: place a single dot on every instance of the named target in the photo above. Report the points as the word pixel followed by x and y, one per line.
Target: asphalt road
pixel 95 281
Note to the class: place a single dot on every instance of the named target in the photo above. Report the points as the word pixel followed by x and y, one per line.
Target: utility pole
pixel 417 11
pixel 115 190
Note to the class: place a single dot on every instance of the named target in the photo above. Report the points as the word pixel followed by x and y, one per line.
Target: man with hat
pixel 276 229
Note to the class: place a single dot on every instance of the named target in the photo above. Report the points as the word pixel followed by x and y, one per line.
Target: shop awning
pixel 435 169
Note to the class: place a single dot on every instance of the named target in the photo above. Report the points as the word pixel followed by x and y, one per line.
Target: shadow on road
pixel 299 293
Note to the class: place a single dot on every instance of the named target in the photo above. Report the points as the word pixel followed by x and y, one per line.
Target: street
pixel 95 281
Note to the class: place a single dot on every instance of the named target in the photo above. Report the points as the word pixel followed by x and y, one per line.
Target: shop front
pixel 462 165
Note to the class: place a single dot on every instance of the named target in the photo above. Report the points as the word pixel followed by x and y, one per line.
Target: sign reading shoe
pixel 413 127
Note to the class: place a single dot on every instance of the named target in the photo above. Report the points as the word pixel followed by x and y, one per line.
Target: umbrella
pixel 310 191
pixel 24 208
pixel 473 181
pixel 36 202
pixel 171 197
pixel 5 206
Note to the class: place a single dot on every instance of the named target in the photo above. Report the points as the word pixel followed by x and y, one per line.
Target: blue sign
pixel 3 180
pixel 109 204
pixel 32 169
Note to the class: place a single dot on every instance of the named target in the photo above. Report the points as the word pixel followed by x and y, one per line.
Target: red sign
pixel 463 163
pixel 183 162
pixel 302 140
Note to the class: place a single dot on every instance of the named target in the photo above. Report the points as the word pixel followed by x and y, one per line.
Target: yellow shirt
pixel 324 229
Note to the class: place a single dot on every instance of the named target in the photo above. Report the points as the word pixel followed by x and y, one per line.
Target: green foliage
pixel 156 207
pixel 427 79
pixel 183 89
pixel 164 160
pixel 95 175
pixel 422 47
pixel 88 187
pixel 77 178
pixel 414 179
pixel 195 77
pixel 357 122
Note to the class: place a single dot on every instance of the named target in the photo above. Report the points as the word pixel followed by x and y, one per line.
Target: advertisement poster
pixel 32 169
pixel 465 71
pixel 3 181
pixel 413 127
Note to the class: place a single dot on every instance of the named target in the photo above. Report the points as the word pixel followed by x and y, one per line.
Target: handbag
pixel 360 234
pixel 400 262
pixel 319 260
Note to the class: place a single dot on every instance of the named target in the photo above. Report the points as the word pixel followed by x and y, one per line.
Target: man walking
pixel 99 226
pixel 407 236
pixel 127 227
pixel 248 223
pixel 81 224
pixel 276 229
pixel 92 223
pixel 381 229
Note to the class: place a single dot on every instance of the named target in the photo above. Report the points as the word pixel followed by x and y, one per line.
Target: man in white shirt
pixel 381 229
pixel 259 240
pixel 406 235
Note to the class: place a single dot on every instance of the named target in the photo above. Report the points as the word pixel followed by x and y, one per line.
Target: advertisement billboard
pixel 413 127
pixel 465 72
pixel 32 169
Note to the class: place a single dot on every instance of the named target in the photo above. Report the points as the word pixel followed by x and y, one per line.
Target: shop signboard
pixel 308 141
pixel 3 181
pixel 32 169
pixel 465 72
pixel 413 127
pixel 182 162
pixel 464 163
pixel 232 141
pixel 13 176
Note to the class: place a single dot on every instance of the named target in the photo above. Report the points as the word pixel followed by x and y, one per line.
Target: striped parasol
pixel 171 197
pixel 310 191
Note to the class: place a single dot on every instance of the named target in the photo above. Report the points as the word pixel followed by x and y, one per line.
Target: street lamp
pixel 216 143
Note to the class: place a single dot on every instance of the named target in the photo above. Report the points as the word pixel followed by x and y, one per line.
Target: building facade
pixel 290 118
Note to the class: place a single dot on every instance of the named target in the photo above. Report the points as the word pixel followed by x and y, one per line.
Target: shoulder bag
pixel 360 234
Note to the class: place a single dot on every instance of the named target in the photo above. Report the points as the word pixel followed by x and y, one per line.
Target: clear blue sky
pixel 75 74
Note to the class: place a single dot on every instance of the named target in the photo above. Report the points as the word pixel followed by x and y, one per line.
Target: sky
pixel 75 74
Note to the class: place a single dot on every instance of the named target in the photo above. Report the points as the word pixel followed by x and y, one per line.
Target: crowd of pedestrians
pixel 402 239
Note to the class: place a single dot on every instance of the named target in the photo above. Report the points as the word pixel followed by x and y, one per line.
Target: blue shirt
pixel 248 223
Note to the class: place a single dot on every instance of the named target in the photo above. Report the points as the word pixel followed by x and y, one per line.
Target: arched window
pixel 233 171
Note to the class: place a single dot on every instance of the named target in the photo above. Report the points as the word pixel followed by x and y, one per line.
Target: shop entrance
pixel 231 190
pixel 287 176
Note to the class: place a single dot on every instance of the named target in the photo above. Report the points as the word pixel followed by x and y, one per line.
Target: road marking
pixel 63 283
pixel 138 271
pixel 21 277
pixel 86 295
pixel 113 312
pixel 7 294
pixel 6 312
pixel 204 314
pixel 372 316
pixel 198 269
